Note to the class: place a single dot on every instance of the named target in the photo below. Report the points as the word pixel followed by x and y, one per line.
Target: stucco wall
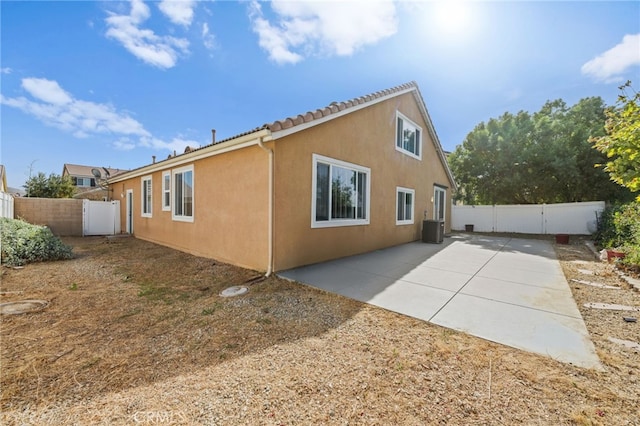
pixel 366 138
pixel 231 193
pixel 62 215
pixel 230 210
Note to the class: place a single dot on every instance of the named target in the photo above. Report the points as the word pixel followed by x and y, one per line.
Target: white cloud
pixel 321 28
pixel 176 144
pixel 46 90
pixel 124 144
pixel 178 11
pixel 610 65
pixel 55 107
pixel 6 70
pixel 208 39
pixel 159 51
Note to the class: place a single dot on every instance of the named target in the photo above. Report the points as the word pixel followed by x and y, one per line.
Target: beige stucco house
pixel 349 178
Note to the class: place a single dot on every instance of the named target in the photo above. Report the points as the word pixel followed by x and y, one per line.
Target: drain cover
pixel 22 307
pixel 233 291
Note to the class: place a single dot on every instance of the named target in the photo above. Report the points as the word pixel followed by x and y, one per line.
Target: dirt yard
pixel 136 333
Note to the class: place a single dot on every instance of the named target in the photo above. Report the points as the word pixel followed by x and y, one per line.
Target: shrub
pixel 619 227
pixel 23 242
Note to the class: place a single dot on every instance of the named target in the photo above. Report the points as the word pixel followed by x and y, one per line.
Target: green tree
pixel 54 186
pixel 543 157
pixel 621 144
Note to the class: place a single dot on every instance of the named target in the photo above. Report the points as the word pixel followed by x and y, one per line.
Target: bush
pixel 23 243
pixel 619 227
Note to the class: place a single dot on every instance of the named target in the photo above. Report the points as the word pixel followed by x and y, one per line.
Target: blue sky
pixel 112 83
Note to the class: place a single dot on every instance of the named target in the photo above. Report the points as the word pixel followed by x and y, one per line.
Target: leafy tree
pixel 542 157
pixel 621 144
pixel 54 186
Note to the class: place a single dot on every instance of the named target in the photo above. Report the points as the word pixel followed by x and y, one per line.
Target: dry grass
pixel 137 333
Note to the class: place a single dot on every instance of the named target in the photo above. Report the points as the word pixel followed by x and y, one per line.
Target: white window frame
pixel 409 122
pixel 400 191
pixel 146 203
pixel 166 191
pixel 437 189
pixel 331 223
pixel 182 217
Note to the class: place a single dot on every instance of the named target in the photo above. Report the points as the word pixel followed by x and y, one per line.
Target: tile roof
pixel 79 170
pixel 325 113
pixel 289 122
pixel 334 107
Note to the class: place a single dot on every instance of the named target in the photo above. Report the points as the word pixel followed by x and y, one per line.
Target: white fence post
pixel 7 205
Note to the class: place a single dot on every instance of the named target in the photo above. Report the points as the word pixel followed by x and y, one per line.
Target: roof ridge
pixel 335 107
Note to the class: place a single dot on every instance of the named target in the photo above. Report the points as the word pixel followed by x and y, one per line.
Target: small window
pixel 146 196
pixel 83 181
pixel 340 193
pixel 166 191
pixel 408 137
pixel 404 206
pixel 182 186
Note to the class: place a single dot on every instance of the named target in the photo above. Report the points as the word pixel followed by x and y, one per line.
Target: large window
pixel 404 206
pixel 147 200
pixel 166 191
pixel 182 186
pixel 408 137
pixel 340 193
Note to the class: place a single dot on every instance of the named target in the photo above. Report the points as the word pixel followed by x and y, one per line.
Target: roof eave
pixel 234 144
pixel 434 137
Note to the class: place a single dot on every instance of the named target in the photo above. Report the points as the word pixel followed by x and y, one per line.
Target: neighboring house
pixel 350 178
pixel 85 181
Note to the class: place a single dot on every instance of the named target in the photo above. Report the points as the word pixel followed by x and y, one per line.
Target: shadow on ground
pixel 126 313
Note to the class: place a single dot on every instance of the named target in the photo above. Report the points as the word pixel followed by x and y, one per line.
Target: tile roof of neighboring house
pixel 289 124
pixel 78 170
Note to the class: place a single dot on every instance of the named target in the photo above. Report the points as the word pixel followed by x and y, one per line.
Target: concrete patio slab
pixel 540 298
pixel 508 290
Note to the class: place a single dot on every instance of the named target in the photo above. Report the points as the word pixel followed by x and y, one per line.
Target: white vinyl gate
pixel 100 217
pixel 563 218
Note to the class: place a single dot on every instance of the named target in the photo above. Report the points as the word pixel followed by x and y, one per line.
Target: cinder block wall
pixel 62 215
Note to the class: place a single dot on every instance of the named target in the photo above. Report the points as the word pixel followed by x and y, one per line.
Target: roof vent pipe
pixel 153 159
pixel 213 136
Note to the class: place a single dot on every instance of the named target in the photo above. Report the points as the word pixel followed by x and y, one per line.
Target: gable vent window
pixel 408 137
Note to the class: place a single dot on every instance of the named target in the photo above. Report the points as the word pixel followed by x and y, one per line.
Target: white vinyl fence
pixel 564 218
pixel 7 205
pixel 100 217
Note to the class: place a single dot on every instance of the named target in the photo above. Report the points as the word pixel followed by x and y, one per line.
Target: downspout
pixel 270 227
